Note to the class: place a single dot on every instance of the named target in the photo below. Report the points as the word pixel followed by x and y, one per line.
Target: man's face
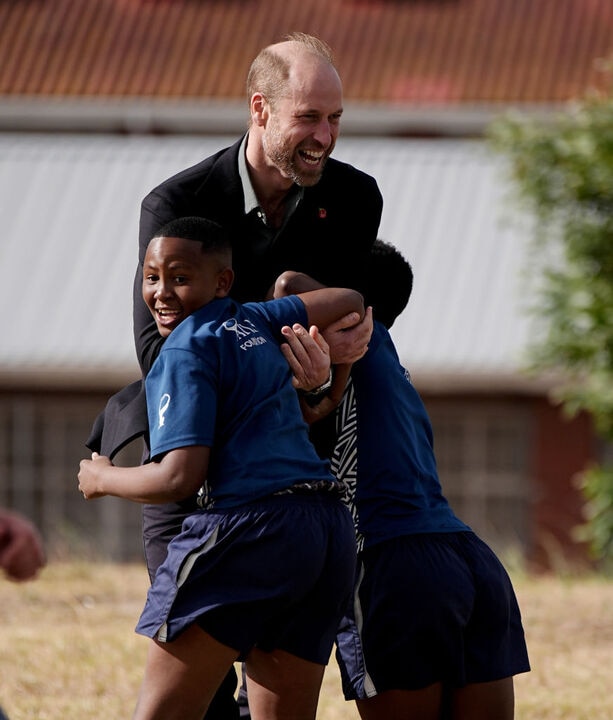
pixel 301 131
pixel 179 278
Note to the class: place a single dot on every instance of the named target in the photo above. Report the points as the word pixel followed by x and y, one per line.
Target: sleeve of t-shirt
pixel 182 386
pixel 182 391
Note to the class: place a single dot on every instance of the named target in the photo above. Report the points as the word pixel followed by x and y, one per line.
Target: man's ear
pixel 225 278
pixel 259 109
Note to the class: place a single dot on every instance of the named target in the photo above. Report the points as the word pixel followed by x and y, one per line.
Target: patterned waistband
pixel 327 487
pixel 308 488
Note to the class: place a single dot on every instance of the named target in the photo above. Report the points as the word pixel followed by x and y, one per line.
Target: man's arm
pixel 348 341
pixel 308 355
pixel 178 475
pixel 314 405
pixel 298 349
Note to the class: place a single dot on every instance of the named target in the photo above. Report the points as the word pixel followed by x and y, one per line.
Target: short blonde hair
pixel 269 72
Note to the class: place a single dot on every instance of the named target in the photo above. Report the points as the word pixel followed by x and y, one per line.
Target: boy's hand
pixel 89 471
pixel 347 340
pixel 308 356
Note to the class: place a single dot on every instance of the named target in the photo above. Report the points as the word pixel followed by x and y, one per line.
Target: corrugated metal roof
pixel 69 208
pixel 430 52
pixel 446 208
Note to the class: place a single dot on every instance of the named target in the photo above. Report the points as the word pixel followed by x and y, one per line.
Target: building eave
pixel 449 382
pixel 210 116
pixel 77 379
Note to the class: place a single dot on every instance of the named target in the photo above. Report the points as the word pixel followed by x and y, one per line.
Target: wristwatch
pixel 316 395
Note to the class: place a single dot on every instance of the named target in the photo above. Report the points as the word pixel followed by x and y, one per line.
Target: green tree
pixel 562 172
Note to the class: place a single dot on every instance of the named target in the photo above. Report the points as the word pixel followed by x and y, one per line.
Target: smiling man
pixel 284 201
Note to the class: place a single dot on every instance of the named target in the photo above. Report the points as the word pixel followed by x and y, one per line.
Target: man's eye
pixel 180 279
pixel 151 278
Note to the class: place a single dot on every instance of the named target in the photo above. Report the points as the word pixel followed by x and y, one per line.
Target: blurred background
pixel 100 100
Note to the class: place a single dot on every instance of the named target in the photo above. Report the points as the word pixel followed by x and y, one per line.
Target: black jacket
pixel 328 237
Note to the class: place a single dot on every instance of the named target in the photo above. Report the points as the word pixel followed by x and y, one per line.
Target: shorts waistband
pixel 329 487
pixel 321 488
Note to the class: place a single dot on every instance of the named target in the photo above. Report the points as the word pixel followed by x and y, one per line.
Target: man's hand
pixel 21 547
pixel 308 356
pixel 348 341
pixel 305 345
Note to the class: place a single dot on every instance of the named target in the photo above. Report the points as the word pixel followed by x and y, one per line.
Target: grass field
pixel 68 650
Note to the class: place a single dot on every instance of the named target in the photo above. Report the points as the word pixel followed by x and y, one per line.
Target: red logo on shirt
pixel 322 213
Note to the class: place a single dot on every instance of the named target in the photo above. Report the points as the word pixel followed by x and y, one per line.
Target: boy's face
pixel 179 278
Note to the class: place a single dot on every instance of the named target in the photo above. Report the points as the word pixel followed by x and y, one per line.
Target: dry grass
pixel 69 650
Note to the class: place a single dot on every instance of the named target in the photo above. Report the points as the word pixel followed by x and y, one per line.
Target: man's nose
pixel 324 133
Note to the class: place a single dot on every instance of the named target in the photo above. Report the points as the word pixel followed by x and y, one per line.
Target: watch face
pixel 315 396
pixel 322 388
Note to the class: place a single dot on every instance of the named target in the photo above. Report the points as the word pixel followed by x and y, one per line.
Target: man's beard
pixel 282 155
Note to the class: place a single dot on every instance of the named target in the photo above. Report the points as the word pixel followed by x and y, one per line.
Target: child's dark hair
pixel 212 236
pixel 390 280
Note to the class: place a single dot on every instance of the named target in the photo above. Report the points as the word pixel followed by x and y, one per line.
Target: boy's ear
pixel 225 278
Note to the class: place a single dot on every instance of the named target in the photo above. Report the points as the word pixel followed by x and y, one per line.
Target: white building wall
pixel 69 208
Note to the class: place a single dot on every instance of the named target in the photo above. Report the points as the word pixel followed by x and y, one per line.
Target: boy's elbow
pixel 181 487
pixel 283 284
pixel 184 469
pixel 359 304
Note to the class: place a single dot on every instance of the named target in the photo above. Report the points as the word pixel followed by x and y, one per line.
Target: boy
pixel 264 571
pixel 435 629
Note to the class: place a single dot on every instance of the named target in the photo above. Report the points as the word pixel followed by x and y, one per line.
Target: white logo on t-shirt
pixel 243 330
pixel 162 407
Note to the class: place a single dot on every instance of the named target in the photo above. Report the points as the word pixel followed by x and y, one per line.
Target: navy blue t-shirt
pixel 221 381
pixel 398 491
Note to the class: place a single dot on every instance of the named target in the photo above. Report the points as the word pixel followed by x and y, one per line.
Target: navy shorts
pixel 430 608
pixel 276 574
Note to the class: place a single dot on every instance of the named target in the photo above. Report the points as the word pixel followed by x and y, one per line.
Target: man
pixel 285 204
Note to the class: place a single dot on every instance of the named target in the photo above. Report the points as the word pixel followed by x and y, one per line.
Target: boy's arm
pixel 347 336
pixel 329 305
pixel 178 475
pixel 324 305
